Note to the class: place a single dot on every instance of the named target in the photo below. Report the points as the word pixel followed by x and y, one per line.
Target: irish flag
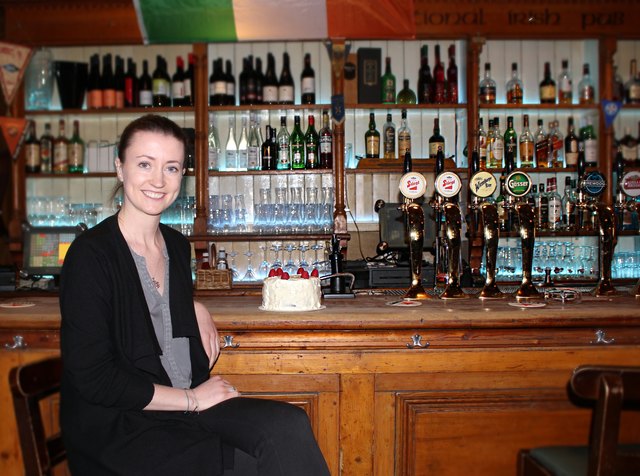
pixel 186 21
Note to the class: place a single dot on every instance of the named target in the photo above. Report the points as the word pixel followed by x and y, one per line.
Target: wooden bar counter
pixel 445 388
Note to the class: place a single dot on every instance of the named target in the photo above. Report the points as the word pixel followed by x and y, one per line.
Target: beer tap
pixel 621 204
pixel 509 199
pixel 582 201
pixel 437 203
pixel 474 206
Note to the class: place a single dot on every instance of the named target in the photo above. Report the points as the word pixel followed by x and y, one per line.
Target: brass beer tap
pixel 607 241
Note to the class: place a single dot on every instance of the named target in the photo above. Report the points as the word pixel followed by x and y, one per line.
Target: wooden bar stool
pixel 609 389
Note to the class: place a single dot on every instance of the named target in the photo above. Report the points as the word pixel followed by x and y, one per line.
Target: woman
pixel 137 397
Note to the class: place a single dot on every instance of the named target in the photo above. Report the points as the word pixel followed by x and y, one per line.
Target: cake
pixel 296 293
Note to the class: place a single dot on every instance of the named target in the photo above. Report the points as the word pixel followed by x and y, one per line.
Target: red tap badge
pixel 448 184
pixel 631 183
pixel 413 185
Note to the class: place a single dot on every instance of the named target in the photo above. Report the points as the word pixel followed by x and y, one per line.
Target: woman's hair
pixel 149 123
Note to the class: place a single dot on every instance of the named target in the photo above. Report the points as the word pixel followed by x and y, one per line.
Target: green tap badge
pixel 518 184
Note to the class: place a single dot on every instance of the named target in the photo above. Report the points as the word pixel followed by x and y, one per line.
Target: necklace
pixel 155 282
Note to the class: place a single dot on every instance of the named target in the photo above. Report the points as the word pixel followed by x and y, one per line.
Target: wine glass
pixel 316 262
pixel 304 247
pixel 249 275
pixel 276 247
pixel 290 267
pixel 265 266
pixel 232 264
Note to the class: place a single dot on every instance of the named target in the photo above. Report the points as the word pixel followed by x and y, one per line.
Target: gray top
pixel 175 355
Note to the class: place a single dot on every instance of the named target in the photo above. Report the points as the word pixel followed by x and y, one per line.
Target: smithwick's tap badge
pixel 448 184
pixel 518 184
pixel 631 184
pixel 594 184
pixel 483 184
pixel 413 185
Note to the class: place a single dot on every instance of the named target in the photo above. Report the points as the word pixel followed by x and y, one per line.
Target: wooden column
pixel 606 49
pixel 201 142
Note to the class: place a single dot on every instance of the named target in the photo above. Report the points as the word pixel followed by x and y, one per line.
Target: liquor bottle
pixel 389 138
pixel 439 88
pixel 177 84
pixel 255 144
pixel 108 84
pixel 214 144
pixel 145 87
pixel 555 205
pixel 311 145
pixel 388 84
pixel 259 82
pixel 270 85
pixel 569 205
pixel 231 149
pixel 269 150
pixel 286 90
pixel 189 83
pixel 61 151
pixel 542 147
pixel 131 93
pixel 119 82
pixel 586 91
pixel 556 146
pixel 76 151
pixel 571 145
pixel 510 137
pixel 515 92
pixel 452 77
pixel 242 82
pixel 491 137
pixel 404 136
pixel 32 150
pixel 308 82
pixel 296 142
pixel 46 150
pixel 547 87
pixel 94 86
pixel 565 85
pixel 628 146
pixel 542 209
pixel 487 87
pixel 482 145
pixel 217 85
pixel 326 143
pixel 531 198
pixel 406 95
pixel 590 141
pixel 161 84
pixel 496 151
pixel 284 148
pixel 425 80
pixel 618 86
pixel 527 144
pixel 251 91
pixel 229 84
pixel 243 147
pixel 500 202
pixel 372 139
pixel 632 87
pixel 436 141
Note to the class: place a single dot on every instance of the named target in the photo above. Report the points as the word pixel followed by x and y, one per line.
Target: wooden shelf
pixel 269 107
pixel 594 107
pixel 256 237
pixel 67 175
pixel 406 106
pixel 217 173
pixel 395 165
pixel 129 110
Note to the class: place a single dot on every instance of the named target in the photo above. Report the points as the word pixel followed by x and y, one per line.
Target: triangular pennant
pixel 13 132
pixel 14 60
pixel 611 110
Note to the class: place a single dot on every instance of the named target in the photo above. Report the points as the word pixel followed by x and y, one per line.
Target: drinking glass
pixel 227 215
pixel 240 213
pixel 304 247
pixel 276 247
pixel 280 211
pixel 310 220
pixel 232 264
pixel 295 209
pixel 290 266
pixel 249 275
pixel 265 266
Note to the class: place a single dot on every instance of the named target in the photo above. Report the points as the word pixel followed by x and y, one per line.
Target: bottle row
pixel 54 154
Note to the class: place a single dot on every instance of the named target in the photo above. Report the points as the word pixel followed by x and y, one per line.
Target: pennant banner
pixel 187 21
pixel 13 63
pixel 13 132
pixel 611 110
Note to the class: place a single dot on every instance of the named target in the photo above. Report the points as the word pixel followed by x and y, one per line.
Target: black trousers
pixel 278 435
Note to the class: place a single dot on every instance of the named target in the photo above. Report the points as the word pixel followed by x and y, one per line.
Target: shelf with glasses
pixel 244 173
pixel 538 106
pixel 68 175
pixel 269 107
pixel 252 236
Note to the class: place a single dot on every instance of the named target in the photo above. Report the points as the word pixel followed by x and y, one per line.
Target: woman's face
pixel 151 172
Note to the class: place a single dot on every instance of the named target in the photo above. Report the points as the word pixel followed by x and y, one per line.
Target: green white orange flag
pixel 186 21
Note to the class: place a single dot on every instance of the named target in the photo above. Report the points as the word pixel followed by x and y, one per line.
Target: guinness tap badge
pixel 518 184
pixel 483 184
pixel 413 185
pixel 448 184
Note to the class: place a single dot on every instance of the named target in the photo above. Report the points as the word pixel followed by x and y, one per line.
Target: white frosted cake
pixel 293 294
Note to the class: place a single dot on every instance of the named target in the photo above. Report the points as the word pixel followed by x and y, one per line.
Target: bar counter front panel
pixel 445 388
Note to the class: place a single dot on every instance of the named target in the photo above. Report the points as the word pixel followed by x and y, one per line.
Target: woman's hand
pixel 208 332
pixel 214 391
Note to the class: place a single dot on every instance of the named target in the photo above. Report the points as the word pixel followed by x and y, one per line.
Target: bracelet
pixel 195 401
pixel 188 403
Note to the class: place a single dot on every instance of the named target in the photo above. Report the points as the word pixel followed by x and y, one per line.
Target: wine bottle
pixel 547 86
pixel 253 151
pixel 326 143
pixel 404 136
pixel 510 137
pixel 119 82
pixel 389 138
pixel 311 143
pixel 217 85
pixel 284 149
pixel 406 95
pixel 632 87
pixel 250 97
pixel 452 77
pixel 189 81
pixel 259 82
pixel 145 87
pixel 565 84
pixel 586 90
pixel 243 147
pixel 439 94
pixel 487 87
pixel 372 139
pixel 270 85
pixel 388 84
pixel 76 150
pixel 32 150
pixel 230 84
pixel 131 92
pixel 46 150
pixel 436 141
pixel 571 145
pixel 425 80
pixel 482 145
pixel 286 89
pixel 177 84
pixel 242 82
pixel 590 142
pixel 296 142
pixel 496 149
pixel 61 151
pixel 161 84
pixel 308 82
pixel 269 152
pixel 94 86
pixel 108 83
pixel 514 87
pixel 231 149
pixel 214 144
pixel 526 145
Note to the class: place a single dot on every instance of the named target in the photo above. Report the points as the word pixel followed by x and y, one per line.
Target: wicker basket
pixel 213 279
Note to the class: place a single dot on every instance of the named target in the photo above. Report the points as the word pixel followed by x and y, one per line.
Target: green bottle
pixel 312 144
pixel 510 137
pixel 406 95
pixel 388 84
pixel 297 145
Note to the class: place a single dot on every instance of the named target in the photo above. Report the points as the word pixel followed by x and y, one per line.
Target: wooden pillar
pixel 201 142
pixel 606 49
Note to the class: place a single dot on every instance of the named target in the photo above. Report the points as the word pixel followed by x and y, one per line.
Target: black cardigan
pixel 111 361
